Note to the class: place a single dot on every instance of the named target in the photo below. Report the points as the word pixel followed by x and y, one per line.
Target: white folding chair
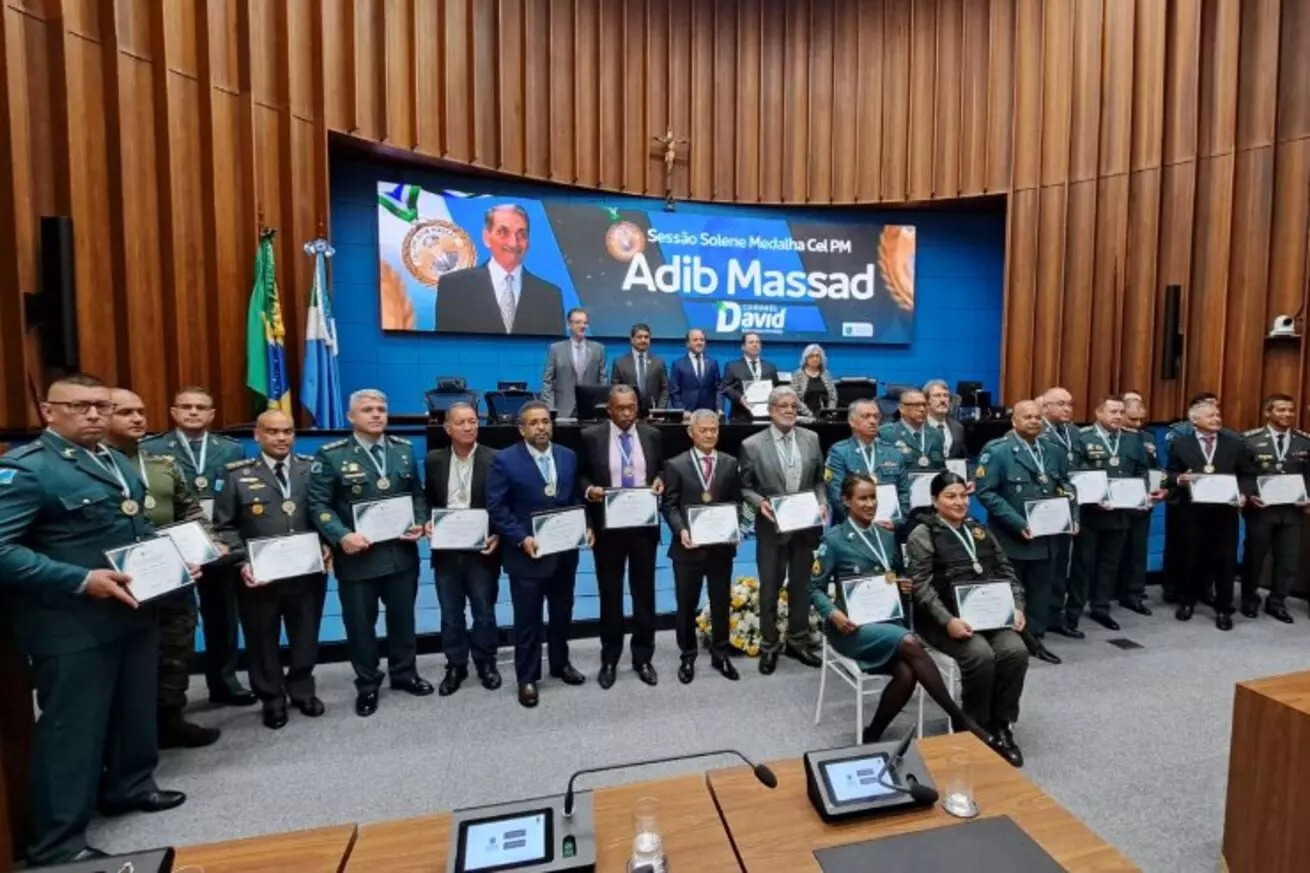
pixel 863 683
pixel 950 671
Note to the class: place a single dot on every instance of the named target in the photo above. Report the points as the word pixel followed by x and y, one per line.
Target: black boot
pixel 175 732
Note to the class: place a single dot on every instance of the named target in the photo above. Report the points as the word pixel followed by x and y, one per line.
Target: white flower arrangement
pixel 744 633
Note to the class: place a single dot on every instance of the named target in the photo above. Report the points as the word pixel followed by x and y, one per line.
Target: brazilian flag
pixel 266 356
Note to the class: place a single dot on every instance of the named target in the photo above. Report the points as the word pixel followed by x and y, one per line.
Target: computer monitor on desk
pixel 591 401
pixel 853 388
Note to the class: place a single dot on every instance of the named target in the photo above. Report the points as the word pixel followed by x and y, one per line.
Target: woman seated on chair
pixel 859 547
pixel 948 549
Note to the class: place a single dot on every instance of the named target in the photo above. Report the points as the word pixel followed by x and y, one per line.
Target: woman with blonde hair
pixel 813 385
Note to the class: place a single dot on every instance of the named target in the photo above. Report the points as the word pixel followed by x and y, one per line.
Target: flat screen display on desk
pixel 856 779
pixel 506 842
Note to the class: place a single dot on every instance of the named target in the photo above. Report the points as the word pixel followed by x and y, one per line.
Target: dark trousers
pixel 787 562
pixel 95 737
pixel 264 609
pixel 175 615
pixel 1272 532
pixel 466 578
pixel 218 622
pixel 1036 577
pixel 530 595
pixel 1171 582
pixel 1209 554
pixel 1066 583
pixel 993 667
pixel 1132 570
pixel 636 550
pixel 359 611
pixel 716 572
pixel 1099 553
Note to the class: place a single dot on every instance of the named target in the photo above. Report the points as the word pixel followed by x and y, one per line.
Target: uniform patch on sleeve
pixel 827 474
pixel 325 516
pixel 7 476
pixel 218 485
pixel 980 472
pixel 316 467
pixel 984 457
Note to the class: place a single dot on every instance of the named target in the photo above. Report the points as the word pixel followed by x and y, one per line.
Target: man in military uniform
pixel 371 465
pixel 266 497
pixel 921 448
pixel 1132 572
pixel 64 500
pixel 203 456
pixel 864 452
pixel 169 500
pixel 1013 470
pixel 1272 450
pixel 1098 555
pixel 1059 434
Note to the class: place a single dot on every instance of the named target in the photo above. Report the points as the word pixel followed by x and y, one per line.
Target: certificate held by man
pixel 1048 517
pixel 714 525
pixel 1286 489
pixel 459 530
pixel 871 599
pixel 631 507
pixel 1092 485
pixel 192 541
pixel 1128 493
pixel 275 558
pixel 563 530
pixel 385 519
pixel 155 566
pixel 796 511
pixel 985 606
pixel 1214 488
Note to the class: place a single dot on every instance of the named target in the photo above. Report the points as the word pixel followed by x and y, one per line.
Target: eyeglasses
pixel 193 407
pixel 919 405
pixel 82 407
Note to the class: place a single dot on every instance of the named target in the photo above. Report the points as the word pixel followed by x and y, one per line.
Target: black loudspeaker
pixel 1171 348
pixel 56 304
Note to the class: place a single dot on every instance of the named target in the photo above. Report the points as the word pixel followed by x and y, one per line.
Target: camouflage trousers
pixel 176 616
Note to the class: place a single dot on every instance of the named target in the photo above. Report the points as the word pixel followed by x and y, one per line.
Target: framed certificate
pixel 1155 479
pixel 274 558
pixel 562 530
pixel 921 489
pixel 1091 485
pixel 384 519
pixel 871 599
pixel 714 524
pixel 1049 517
pixel 459 530
pixel 631 507
pixel 155 565
pixel 986 606
pixel 958 466
pixel 192 541
pixel 207 507
pixel 796 511
pixel 1128 493
pixel 889 504
pixel 1281 490
pixel 1218 488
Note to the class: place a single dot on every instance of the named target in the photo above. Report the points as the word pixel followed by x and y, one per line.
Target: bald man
pixel 265 497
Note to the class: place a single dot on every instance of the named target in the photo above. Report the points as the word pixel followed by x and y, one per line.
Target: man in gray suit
pixel 783 459
pixel 643 371
pixel 570 363
pixel 939 397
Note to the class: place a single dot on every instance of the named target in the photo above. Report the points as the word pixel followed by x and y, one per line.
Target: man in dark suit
pixel 694 380
pixel 623 454
pixel 698 478
pixel 531 477
pixel 750 368
pixel 938 395
pixel 500 296
pixel 1209 530
pixel 267 497
pixel 642 371
pixel 456 478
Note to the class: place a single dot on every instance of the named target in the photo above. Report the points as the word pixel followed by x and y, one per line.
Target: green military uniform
pixel 848 551
pixel 1272 530
pixel 93 660
pixel 1060 439
pixel 880 460
pixel 1103 534
pixel 1011 472
pixel 343 475
pixel 1132 573
pixel 202 463
pixel 922 452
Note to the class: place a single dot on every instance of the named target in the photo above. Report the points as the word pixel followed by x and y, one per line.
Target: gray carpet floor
pixel 1135 743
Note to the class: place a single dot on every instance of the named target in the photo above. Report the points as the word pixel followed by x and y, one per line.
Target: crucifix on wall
pixel 668 153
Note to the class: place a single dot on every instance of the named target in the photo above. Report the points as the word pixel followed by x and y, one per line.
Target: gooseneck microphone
pixel 919 792
pixel 762 773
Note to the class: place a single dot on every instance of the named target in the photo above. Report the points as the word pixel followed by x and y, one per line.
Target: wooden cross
pixel 668 152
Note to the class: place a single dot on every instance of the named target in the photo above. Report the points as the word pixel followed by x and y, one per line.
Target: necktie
pixel 376 452
pixel 1208 439
pixel 641 373
pixel 697 366
pixel 1279 440
pixel 579 359
pixel 280 471
pixel 506 302
pixel 544 463
pixel 707 470
pixel 755 369
pixel 626 473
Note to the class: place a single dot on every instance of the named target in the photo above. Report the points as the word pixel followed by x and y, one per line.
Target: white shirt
pixel 461 476
pixel 498 274
pixel 550 460
pixel 945 431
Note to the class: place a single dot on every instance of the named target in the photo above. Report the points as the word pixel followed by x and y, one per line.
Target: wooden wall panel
pixel 1140 144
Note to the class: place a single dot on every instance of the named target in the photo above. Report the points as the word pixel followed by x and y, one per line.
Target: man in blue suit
pixel 694 380
pixel 531 477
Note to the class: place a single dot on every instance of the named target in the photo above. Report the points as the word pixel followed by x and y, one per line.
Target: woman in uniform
pixel 949 549
pixel 858 547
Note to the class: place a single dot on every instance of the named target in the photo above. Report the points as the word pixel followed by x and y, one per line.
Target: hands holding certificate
pixel 376 521
pixel 560 531
pixel 150 568
pixel 790 512
pixel 461 530
pixel 711 525
pixel 1286 489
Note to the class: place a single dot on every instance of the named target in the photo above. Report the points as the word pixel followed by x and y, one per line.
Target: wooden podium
pixel 1269 777
pixel 15 744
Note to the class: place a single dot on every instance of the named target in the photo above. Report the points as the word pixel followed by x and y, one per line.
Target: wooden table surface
pixel 322 850
pixel 779 829
pixel 694 837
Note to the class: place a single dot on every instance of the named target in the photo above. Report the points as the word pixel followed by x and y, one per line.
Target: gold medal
pixel 706 497
pixel 150 502
pixel 202 482
pixel 1042 478
pixel 1279 466
pixel 923 460
pixel 549 490
pixel 977 567
pixel 384 483
pixel 129 507
pixel 257 509
pixel 1209 468
pixel 288 506
pixel 1114 462
pixel 627 472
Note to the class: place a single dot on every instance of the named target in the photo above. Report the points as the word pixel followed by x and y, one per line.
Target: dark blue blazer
pixel 688 392
pixel 516 490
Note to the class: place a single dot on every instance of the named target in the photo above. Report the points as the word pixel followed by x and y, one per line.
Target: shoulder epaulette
pixel 1087 428
pixel 1252 432
pixel 302 457
pixel 1127 429
pixel 237 465
pixel 1301 433
pixel 399 439
pixel 335 444
pixel 151 436
pixel 995 442
pixel 225 438
pixel 157 456
pixel 23 451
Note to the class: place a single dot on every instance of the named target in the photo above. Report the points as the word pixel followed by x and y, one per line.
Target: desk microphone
pixel 762 773
pixel 920 793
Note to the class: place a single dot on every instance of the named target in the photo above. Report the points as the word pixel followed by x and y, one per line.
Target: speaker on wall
pixel 53 311
pixel 1171 346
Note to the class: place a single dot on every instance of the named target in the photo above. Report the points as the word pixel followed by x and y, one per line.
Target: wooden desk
pixel 779 829
pixel 322 850
pixel 693 834
pixel 1269 776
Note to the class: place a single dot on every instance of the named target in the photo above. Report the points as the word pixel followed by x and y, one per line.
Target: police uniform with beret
pixel 1272 531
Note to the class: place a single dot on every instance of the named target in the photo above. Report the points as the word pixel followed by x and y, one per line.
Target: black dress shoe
pixel 528 695
pixel 1223 621
pixel 646 673
pixel 310 706
pixel 90 853
pixel 1046 655
pixel 1069 631
pixel 175 732
pixel 489 676
pixel 1012 752
pixel 1136 606
pixel 451 681
pixel 1104 620
pixel 275 717
pixel 154 801
pixel 570 675
pixel 805 657
pixel 1250 610
pixel 687 670
pixel 869 735
pixel 233 697
pixel 366 703
pixel 997 745
pixel 417 686
pixel 768 663
pixel 1184 612
pixel 606 676
pixel 1280 613
pixel 725 668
